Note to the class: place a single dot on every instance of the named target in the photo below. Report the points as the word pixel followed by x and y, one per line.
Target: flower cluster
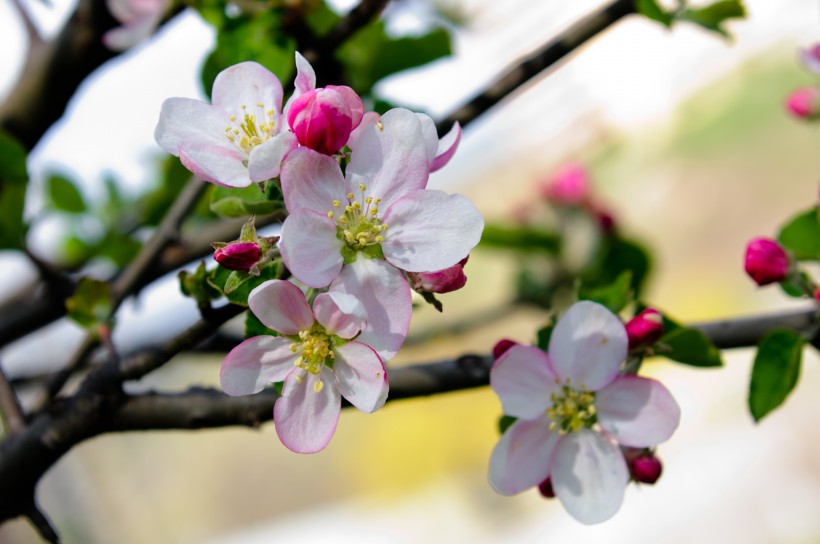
pixel 804 102
pixel 575 415
pixel 362 231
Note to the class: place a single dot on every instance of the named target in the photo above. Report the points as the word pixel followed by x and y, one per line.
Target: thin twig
pixel 11 411
pixel 28 23
pixel 41 523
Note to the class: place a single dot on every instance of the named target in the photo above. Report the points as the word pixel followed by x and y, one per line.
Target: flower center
pixel 316 351
pixel 250 132
pixel 356 221
pixel 572 409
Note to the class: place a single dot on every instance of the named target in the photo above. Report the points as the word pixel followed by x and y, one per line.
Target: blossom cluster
pixel 362 231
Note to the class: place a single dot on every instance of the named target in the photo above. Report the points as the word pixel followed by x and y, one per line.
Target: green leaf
pixel 13 184
pixel 801 235
pixel 254 327
pixel 64 195
pixel 651 10
pixel 197 285
pixel 520 238
pixel 713 16
pixel 688 346
pixel 91 304
pixel 616 256
pixel 219 277
pixel 615 296
pixel 250 200
pixel 542 337
pixel 775 371
pixel 505 422
pixel 235 279
pixel 321 19
pixel 370 54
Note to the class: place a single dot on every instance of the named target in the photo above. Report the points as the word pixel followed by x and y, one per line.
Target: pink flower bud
pixel 646 468
pixel 804 103
pixel 645 329
pixel 501 347
pixel 238 255
pixel 322 119
pixel 569 185
pixel 766 261
pixel 545 488
pixel 442 281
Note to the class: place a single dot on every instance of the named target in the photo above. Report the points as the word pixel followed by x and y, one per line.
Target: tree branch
pixel 10 410
pixel 538 61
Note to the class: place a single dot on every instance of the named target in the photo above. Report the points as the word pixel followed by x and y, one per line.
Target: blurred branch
pixel 11 412
pixel 538 61
pixel 28 24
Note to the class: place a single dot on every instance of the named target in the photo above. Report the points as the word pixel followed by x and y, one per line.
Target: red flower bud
pixel 804 103
pixel 645 329
pixel 646 468
pixel 238 255
pixel 545 488
pixel 322 119
pixel 501 347
pixel 766 261
pixel 441 281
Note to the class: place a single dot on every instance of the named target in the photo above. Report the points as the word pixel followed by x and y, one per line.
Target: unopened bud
pixel 545 488
pixel 646 468
pixel 238 255
pixel 766 261
pixel 501 347
pixel 441 281
pixel 804 103
pixel 569 185
pixel 322 119
pixel 645 329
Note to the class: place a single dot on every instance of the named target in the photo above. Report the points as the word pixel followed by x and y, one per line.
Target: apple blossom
pixel 237 140
pixel 139 19
pixel 361 230
pixel 315 355
pixel 572 406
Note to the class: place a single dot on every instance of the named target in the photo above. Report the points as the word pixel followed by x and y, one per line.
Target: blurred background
pixel 686 140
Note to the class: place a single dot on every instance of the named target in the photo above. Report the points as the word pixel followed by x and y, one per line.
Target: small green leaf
pixel 714 16
pixel 13 184
pixel 688 346
pixel 651 10
pixel 615 296
pixel 520 238
pixel 91 304
pixel 250 200
pixel 197 285
pixel 505 422
pixel 254 327
pixel 775 371
pixel 542 337
pixel 218 278
pixel 235 279
pixel 64 195
pixel 801 235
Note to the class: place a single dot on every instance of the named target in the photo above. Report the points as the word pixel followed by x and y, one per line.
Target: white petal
pixel 247 84
pixel 637 411
pixel 446 148
pixel 216 164
pixel 390 161
pixel 281 306
pixel 589 476
pixel 523 381
pixel 265 161
pixel 430 230
pixel 340 313
pixel 361 376
pixel 307 414
pixel 385 295
pixel 310 248
pixel 312 180
pixel 184 121
pixel 523 456
pixel 430 135
pixel 255 363
pixel 588 345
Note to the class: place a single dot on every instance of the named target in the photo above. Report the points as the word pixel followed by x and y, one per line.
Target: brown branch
pixel 535 63
pixel 11 412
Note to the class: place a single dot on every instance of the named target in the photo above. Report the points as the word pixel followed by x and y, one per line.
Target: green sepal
pixel 775 371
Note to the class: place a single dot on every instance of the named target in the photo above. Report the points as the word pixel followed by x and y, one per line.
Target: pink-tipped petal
pixel 281 306
pixel 305 76
pixel 523 456
pixel 368 119
pixel 247 84
pixel 446 148
pixel 588 345
pixel 307 413
pixel 385 295
pixel 523 381
pixel 310 248
pixel 589 476
pixel 216 164
pixel 361 376
pixel 312 180
pixel 430 230
pixel 353 102
pixel 185 121
pixel 340 314
pixel 255 363
pixel 430 135
pixel 637 412
pixel 389 159
pixel 265 161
